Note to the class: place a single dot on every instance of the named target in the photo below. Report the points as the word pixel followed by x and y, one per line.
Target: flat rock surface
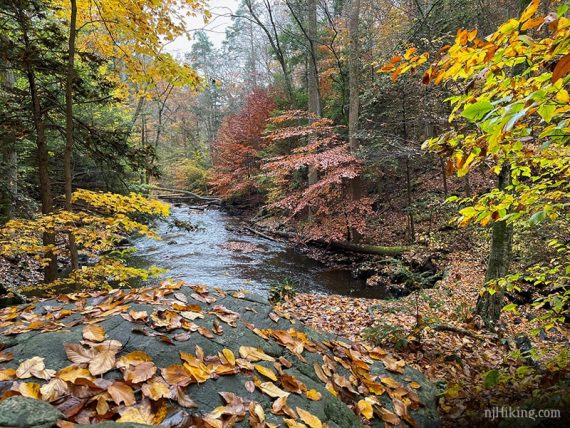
pixel 180 355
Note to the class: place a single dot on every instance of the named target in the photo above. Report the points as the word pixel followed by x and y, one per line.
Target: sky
pixel 221 19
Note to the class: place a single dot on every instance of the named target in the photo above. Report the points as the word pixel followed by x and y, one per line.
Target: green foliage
pixel 283 291
pixel 515 100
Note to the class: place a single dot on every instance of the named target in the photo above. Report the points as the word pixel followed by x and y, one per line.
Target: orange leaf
pixel 562 68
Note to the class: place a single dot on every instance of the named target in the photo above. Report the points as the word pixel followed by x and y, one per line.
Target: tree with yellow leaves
pixel 511 112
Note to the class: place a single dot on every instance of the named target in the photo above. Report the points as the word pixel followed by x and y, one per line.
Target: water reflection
pixel 219 257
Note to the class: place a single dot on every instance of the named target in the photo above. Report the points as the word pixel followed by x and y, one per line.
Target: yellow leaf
pixel 366 409
pixel 254 354
pixel 311 420
pixel 562 96
pixel 94 333
pixel 229 355
pixel 272 390
pixel 266 372
pixel 7 374
pixel 313 394
pixel 31 390
pixel 293 424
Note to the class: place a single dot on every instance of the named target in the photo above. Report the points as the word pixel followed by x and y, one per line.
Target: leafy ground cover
pixel 179 355
pixel 435 332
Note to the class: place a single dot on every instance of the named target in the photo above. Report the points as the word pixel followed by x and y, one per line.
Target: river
pixel 218 256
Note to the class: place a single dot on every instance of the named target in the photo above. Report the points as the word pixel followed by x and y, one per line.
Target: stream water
pixel 218 256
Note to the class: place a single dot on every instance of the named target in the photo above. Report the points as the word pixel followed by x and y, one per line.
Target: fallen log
pixel 188 193
pixel 345 246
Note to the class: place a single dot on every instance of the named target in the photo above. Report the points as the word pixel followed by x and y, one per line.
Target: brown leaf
pixel 76 353
pixel 34 367
pixel 94 333
pixel 176 375
pixel 139 372
pixel 122 393
pixel 177 393
pixel 6 356
pixel 133 358
pixel 155 389
pixel 562 68
pixel 54 390
pixel 250 386
pixel 103 361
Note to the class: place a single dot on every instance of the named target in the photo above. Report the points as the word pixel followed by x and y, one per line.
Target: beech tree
pixel 313 144
pixel 236 150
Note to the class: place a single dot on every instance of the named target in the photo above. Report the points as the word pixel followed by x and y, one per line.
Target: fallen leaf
pixel 311 420
pixel 366 409
pixel 267 372
pixel 30 390
pixel 272 390
pixel 94 333
pixel 122 393
pixel 313 394
pixel 254 354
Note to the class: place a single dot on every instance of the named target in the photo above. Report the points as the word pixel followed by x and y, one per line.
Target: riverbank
pixel 434 331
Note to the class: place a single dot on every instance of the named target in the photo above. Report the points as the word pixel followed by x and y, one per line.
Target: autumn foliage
pixel 325 206
pixel 511 111
pixel 99 222
pixel 236 149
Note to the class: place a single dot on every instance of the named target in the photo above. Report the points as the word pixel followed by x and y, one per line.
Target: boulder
pixel 218 356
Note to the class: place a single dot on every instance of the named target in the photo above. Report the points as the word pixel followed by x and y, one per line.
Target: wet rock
pixel 27 412
pixel 365 270
pixel 254 310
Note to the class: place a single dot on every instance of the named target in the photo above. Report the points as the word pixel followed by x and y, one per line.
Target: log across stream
pixel 218 256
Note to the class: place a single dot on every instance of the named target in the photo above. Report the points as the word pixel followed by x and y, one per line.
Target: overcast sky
pixel 216 28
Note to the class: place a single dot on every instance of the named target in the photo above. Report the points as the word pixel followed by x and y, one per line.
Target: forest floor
pixel 434 331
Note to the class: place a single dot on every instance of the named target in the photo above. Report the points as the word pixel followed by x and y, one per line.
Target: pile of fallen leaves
pixel 101 383
pixel 449 345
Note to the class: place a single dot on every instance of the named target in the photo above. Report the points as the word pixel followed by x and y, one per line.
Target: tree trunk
pixel 354 98
pixel 313 71
pixel 69 129
pixel 489 305
pixel 411 223
pixel 354 75
pixel 50 270
pixel 10 161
